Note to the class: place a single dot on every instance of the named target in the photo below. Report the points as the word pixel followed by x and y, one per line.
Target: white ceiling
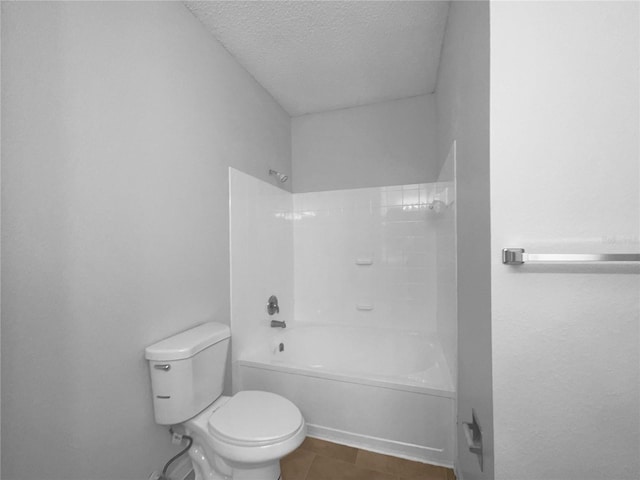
pixel 315 56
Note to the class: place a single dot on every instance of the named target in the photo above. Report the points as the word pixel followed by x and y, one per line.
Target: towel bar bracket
pixel 512 256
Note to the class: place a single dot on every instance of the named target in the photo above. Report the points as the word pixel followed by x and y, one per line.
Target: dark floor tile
pixel 329 449
pixel 405 469
pixel 295 466
pixel 327 468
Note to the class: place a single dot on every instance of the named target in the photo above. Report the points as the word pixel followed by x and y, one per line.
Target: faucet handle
pixel 272 305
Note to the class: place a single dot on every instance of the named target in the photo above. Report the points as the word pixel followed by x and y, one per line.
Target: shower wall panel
pixel 366 256
pixel 261 239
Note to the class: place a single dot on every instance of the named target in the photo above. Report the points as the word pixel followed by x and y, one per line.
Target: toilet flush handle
pixel 164 366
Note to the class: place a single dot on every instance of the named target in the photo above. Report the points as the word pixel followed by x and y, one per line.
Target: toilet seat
pixel 255 418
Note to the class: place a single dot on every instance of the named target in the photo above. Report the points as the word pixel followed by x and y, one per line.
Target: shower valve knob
pixel 272 305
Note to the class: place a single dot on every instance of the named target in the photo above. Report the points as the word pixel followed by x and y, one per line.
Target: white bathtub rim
pixel 261 356
pixel 427 437
pixel 361 379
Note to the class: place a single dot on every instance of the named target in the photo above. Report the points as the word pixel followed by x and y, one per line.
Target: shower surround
pixel 356 272
pixel 366 257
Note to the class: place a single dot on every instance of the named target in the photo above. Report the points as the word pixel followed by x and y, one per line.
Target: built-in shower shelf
pixel 364 261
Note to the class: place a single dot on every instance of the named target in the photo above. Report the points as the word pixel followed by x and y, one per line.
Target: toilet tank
pixel 187 371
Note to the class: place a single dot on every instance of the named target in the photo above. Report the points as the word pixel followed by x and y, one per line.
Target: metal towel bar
pixel 517 256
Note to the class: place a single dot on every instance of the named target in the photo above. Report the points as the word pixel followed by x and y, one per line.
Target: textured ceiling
pixel 315 56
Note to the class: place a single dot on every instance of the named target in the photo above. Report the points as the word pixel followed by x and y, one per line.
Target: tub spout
pixel 278 323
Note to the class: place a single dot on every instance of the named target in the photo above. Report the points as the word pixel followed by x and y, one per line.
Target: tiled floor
pixel 320 460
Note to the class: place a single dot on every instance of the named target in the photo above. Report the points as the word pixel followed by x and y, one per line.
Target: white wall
pixel 391 227
pixel 462 100
pixel 119 122
pixel 261 239
pixel 389 143
pixel 565 119
pixel 0 262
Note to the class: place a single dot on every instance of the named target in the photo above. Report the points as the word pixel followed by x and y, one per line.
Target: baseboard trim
pixel 408 451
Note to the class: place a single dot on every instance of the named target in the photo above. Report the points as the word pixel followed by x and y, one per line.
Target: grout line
pixel 306 474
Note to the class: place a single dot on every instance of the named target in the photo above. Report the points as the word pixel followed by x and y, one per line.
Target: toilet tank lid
pixel 186 344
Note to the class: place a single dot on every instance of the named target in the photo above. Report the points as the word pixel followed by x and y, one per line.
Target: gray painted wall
pixel 462 99
pixel 119 122
pixel 389 143
pixel 0 268
pixel 566 349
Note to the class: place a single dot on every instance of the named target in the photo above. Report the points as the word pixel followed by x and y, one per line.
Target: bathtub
pixel 374 388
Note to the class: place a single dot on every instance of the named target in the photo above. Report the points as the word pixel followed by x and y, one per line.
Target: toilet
pixel 242 437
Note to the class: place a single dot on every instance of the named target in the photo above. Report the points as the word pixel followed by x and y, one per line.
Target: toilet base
pixel 223 471
pixel 265 472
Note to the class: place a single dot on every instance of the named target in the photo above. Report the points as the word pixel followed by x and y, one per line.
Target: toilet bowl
pixel 242 437
pixel 246 435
